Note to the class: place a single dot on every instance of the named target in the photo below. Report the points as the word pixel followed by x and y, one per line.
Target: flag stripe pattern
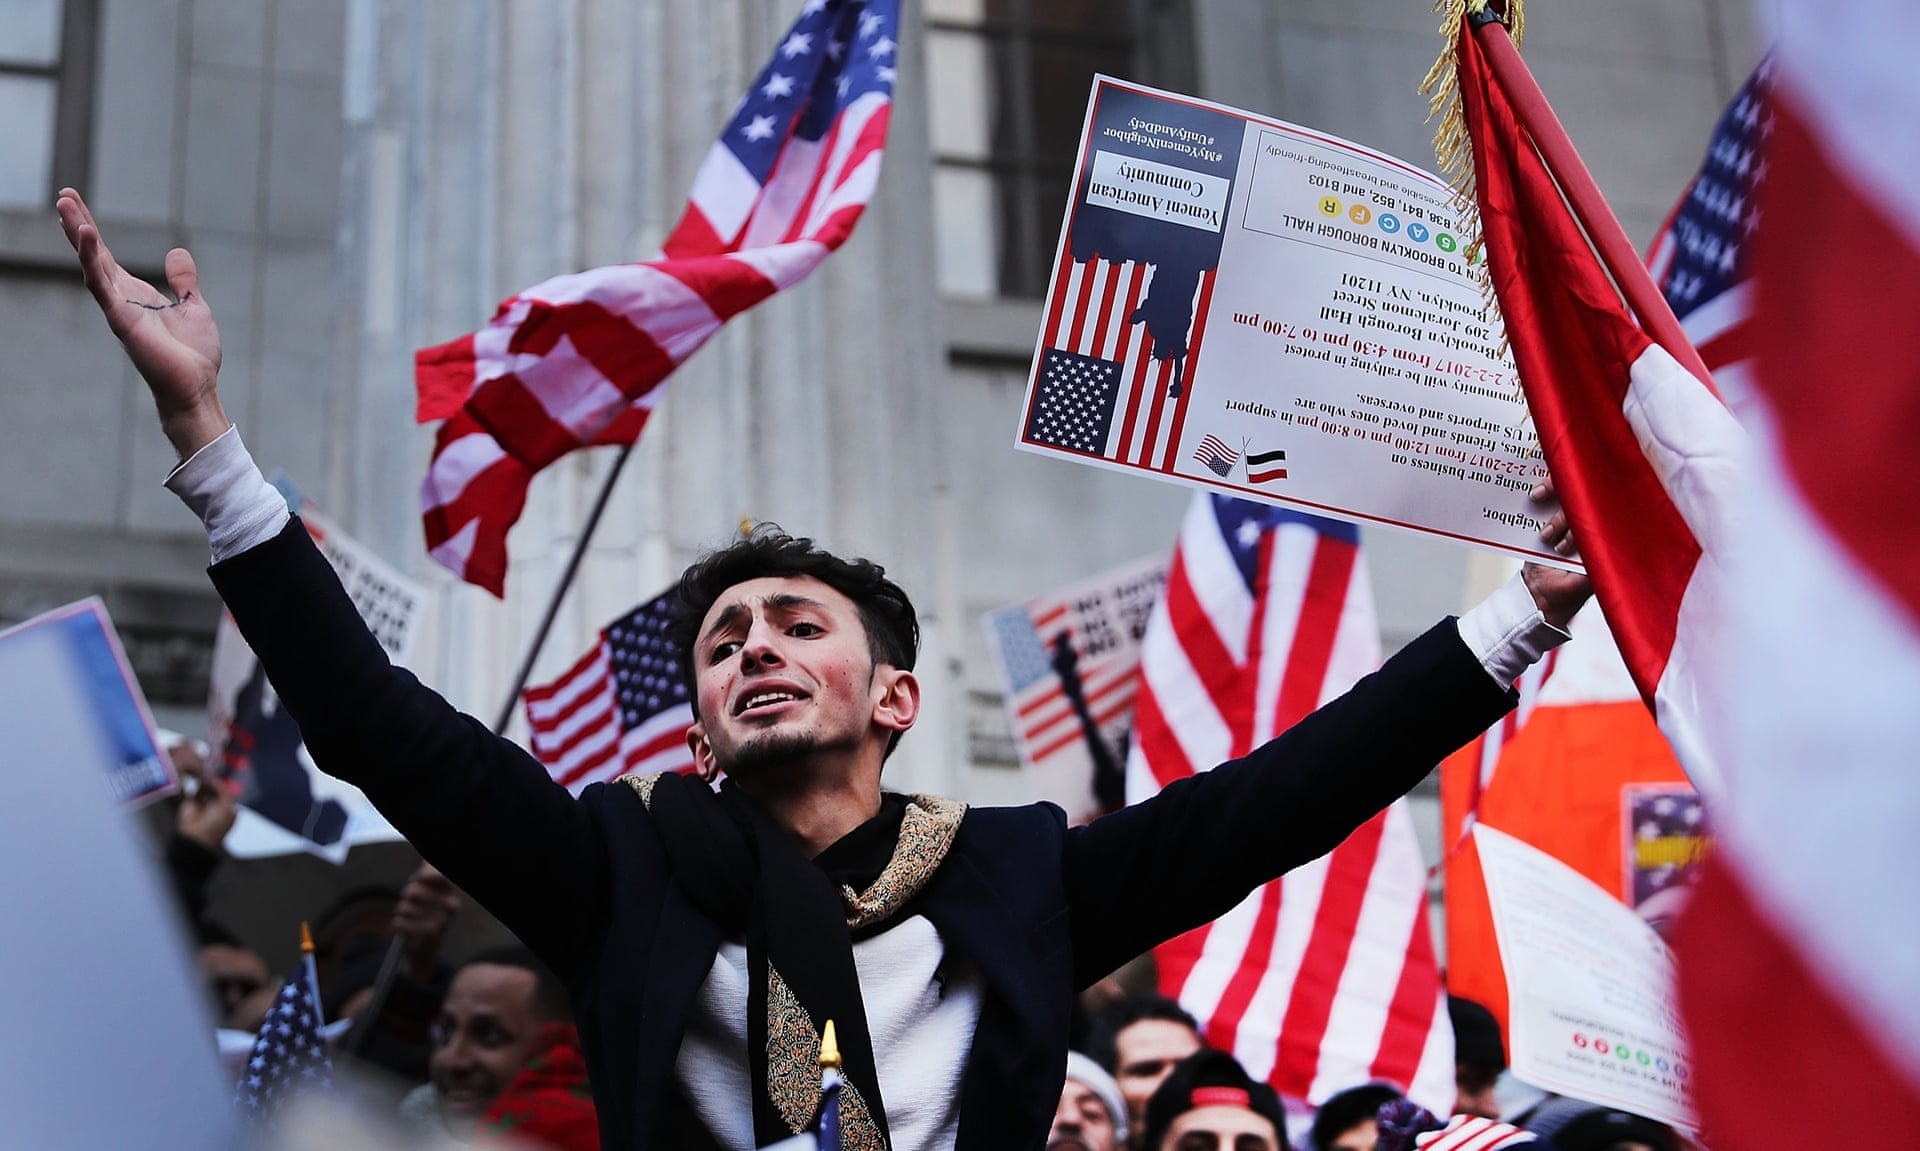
pixel 621 708
pixel 1799 920
pixel 1326 977
pixel 576 361
pixel 1644 456
pixel 1472 1133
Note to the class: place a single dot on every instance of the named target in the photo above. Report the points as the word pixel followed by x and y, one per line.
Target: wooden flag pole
pixel 560 592
pixel 1603 229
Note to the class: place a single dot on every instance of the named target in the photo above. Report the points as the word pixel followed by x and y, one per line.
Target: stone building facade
pixel 361 177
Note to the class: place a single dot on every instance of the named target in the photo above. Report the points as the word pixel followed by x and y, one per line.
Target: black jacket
pixel 1041 908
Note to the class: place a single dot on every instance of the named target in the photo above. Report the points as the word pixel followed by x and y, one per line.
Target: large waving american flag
pixel 577 361
pixel 1804 924
pixel 1325 977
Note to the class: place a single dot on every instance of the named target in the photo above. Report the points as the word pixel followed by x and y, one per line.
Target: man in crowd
pixel 1210 1103
pixel 1091 1116
pixel 711 935
pixel 1566 1124
pixel 1479 1057
pixel 1347 1121
pixel 506 1056
pixel 1139 1040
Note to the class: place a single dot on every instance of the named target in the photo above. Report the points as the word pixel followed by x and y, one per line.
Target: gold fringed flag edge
pixel 1452 144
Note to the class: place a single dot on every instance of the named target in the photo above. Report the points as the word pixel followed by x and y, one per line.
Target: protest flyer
pixel 287 804
pixel 68 663
pixel 1591 1006
pixel 1081 639
pixel 1244 304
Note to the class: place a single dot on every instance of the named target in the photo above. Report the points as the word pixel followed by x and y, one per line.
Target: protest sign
pixel 1591 1007
pixel 106 1024
pixel 1244 304
pixel 1099 621
pixel 73 653
pixel 287 804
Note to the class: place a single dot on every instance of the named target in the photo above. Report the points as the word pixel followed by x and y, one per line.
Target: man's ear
pixel 702 750
pixel 896 703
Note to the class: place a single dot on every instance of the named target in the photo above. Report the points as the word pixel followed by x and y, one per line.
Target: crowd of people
pixel 1148 1082
pixel 487 1047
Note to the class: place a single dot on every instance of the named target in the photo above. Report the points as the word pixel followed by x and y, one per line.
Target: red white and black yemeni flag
pixel 576 361
pixel 1325 977
pixel 1644 455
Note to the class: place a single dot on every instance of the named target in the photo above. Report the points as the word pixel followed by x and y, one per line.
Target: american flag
pixel 1703 255
pixel 289 1054
pixel 1325 977
pixel 1139 410
pixel 623 707
pixel 1218 457
pixel 577 360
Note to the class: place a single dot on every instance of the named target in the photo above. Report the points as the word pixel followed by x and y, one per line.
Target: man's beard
pixel 1068 1143
pixel 759 758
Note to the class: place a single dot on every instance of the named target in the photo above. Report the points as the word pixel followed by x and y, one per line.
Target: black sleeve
pixel 476 805
pixel 1146 873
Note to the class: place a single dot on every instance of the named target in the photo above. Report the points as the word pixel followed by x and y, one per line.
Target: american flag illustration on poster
pixel 1132 287
pixel 1101 619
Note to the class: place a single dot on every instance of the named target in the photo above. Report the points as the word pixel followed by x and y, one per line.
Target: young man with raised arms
pixel 706 937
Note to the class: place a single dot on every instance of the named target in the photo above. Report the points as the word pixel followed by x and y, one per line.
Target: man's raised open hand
pixel 173 342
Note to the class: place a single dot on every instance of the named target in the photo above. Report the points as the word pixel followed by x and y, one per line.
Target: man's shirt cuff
pixel 1507 633
pixel 223 486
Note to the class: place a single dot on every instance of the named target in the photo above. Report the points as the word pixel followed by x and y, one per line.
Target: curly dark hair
pixel 893 630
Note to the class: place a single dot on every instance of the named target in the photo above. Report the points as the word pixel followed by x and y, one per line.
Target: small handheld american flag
pixel 289 1054
pixel 623 707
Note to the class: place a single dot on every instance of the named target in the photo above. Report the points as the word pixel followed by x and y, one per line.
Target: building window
pixel 1008 83
pixel 46 97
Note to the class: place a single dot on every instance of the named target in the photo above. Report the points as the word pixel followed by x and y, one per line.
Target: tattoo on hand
pixel 161 307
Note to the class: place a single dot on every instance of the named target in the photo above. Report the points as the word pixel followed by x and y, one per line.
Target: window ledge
pixel 31 239
pixel 993 329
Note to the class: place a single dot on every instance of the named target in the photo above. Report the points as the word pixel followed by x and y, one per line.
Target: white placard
pixel 1591 1011
pixel 1244 304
